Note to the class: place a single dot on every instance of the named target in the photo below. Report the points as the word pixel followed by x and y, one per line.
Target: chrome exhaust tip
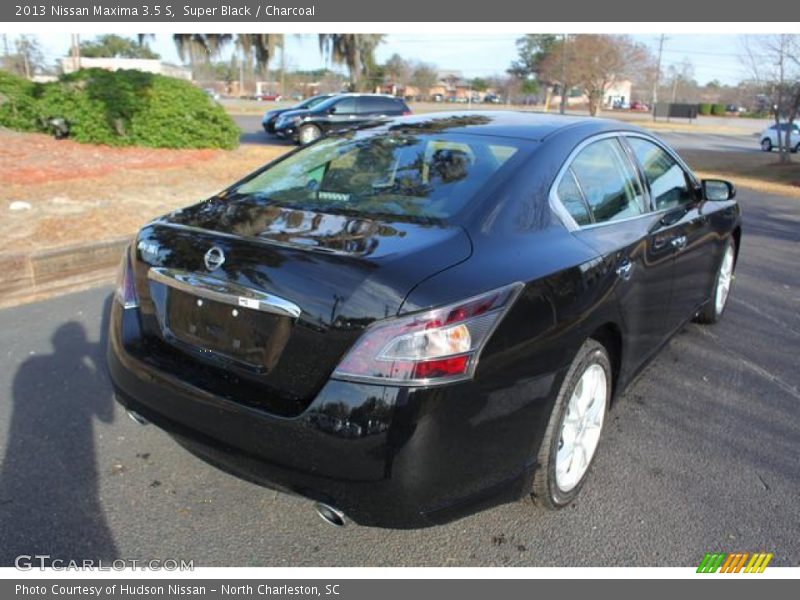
pixel 137 418
pixel 330 515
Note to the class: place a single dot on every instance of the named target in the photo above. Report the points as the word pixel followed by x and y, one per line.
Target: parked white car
pixel 769 137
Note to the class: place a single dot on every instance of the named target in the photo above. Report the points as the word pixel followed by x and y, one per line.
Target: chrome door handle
pixel 678 242
pixel 625 270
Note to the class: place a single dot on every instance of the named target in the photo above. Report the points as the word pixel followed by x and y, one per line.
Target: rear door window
pixel 669 185
pixel 377 105
pixel 572 198
pixel 346 106
pixel 608 181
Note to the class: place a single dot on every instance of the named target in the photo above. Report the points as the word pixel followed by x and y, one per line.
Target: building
pixel 617 93
pixel 451 86
pixel 70 65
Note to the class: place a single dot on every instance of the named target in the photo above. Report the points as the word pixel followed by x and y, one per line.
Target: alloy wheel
pixel 308 134
pixel 724 280
pixel 581 427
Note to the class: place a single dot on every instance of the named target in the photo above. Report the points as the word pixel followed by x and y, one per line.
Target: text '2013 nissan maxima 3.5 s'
pixel 417 320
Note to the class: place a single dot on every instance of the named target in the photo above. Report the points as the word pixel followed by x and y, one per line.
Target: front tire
pixel 713 309
pixel 575 427
pixel 766 145
pixel 308 133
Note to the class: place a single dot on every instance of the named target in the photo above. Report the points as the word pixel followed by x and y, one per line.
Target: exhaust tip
pixel 332 516
pixel 137 418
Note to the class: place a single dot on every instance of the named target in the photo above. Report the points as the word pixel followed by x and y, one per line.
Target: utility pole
pixel 76 51
pixel 241 72
pixel 562 107
pixel 658 74
pixel 283 72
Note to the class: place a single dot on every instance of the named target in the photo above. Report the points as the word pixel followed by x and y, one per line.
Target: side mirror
pixel 718 190
pixel 331 110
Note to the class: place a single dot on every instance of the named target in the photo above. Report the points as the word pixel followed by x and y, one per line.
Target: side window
pixel 572 198
pixel 346 106
pixel 609 182
pixel 376 104
pixel 669 186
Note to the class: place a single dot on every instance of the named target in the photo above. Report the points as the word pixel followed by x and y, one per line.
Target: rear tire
pixel 713 309
pixel 308 133
pixel 796 149
pixel 575 427
pixel 766 145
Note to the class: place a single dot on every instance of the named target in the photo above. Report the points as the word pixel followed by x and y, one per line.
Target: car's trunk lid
pixel 293 291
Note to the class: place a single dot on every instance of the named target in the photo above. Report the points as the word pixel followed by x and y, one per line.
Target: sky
pixel 714 56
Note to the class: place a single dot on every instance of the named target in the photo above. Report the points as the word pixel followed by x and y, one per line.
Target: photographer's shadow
pixel 49 496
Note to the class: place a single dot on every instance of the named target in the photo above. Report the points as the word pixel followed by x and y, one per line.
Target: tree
pixel 28 58
pixel 533 50
pixel 479 85
pixel 355 51
pixel 424 77
pixel 592 63
pixel 398 70
pixel 775 63
pixel 200 48
pixel 116 46
pixel 680 78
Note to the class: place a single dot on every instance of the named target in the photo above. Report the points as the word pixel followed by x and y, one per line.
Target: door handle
pixel 678 242
pixel 625 270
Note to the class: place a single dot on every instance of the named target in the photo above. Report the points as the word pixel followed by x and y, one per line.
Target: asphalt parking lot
pixel 252 133
pixel 701 454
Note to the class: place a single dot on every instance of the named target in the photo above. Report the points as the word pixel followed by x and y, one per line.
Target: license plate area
pixel 218 330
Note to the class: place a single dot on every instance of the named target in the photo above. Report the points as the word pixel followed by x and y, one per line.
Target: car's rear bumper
pixel 385 456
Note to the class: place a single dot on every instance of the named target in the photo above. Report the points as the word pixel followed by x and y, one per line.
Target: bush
pixel 719 110
pixel 129 108
pixel 18 104
pixel 704 108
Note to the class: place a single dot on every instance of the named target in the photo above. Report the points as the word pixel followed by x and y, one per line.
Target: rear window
pixel 407 175
pixel 378 104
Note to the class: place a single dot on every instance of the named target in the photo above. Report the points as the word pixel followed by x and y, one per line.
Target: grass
pixel 758 171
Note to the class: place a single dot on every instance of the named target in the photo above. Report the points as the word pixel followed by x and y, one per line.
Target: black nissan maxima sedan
pixel 417 320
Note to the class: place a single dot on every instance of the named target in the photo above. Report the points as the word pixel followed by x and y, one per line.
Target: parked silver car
pixel 769 137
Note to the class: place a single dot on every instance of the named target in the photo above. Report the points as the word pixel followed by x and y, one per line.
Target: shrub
pixel 18 104
pixel 704 108
pixel 125 108
pixel 719 110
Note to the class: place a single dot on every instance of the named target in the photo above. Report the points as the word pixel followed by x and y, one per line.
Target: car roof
pixel 367 95
pixel 514 124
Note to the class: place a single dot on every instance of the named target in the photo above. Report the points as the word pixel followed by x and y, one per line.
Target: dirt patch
pixel 27 158
pixel 109 193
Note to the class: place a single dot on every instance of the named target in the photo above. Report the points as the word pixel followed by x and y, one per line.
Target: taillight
pixel 126 290
pixel 406 113
pixel 435 346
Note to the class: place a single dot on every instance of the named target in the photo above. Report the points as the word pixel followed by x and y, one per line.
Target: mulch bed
pixel 36 158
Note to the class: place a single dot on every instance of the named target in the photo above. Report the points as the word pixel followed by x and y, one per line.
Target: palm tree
pixel 261 46
pixel 256 47
pixel 356 51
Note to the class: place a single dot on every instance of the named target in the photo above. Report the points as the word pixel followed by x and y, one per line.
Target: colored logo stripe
pixel 758 563
pixel 734 562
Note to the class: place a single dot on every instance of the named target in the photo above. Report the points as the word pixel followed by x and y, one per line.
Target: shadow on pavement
pixel 49 496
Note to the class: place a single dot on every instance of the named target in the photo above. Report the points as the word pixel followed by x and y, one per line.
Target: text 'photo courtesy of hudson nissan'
pixel 417 318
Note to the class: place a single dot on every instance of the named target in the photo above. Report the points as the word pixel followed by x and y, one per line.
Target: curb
pixel 28 277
